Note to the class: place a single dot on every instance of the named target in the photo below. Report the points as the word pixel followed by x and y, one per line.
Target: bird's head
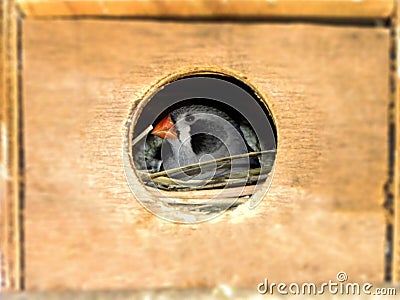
pixel 190 120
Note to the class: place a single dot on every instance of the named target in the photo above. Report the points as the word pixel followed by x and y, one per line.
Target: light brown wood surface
pixel 222 292
pixel 10 235
pixel 395 119
pixel 210 8
pixel 329 94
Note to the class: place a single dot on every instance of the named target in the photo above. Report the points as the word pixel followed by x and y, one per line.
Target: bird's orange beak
pixel 165 129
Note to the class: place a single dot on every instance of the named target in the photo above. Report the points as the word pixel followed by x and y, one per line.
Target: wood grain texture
pixel 210 8
pixel 328 89
pixel 395 68
pixel 223 292
pixel 10 253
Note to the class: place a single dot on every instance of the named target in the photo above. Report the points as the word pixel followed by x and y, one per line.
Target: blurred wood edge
pixel 219 292
pixel 10 197
pixel 287 9
pixel 395 83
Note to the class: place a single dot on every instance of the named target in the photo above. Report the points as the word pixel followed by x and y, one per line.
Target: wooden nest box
pixel 75 75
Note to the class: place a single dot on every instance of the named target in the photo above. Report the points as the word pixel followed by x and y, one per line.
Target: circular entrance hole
pixel 198 145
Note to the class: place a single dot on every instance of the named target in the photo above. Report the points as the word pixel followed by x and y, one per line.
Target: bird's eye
pixel 189 118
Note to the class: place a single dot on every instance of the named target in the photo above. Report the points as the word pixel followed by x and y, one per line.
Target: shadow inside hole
pixel 222 93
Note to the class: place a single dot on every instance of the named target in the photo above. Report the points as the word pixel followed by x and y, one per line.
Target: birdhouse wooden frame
pixel 337 161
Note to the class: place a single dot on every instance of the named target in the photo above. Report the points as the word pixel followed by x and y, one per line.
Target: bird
pixel 196 133
pixel 147 153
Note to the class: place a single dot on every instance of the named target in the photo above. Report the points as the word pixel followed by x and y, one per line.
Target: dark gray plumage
pixel 147 154
pixel 204 133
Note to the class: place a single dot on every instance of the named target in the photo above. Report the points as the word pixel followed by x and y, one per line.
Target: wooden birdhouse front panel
pixel 327 88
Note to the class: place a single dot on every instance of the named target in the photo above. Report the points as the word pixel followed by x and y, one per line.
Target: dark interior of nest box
pixel 242 103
